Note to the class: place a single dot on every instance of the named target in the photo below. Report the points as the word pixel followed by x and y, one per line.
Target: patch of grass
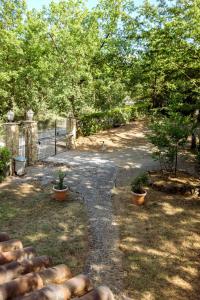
pixel 56 229
pixel 161 245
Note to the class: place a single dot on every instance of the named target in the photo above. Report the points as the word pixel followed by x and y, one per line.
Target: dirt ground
pixel 161 245
pixel 56 229
pixel 160 241
pixel 124 137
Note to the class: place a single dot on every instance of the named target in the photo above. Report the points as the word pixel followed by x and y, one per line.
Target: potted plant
pixel 60 190
pixel 137 188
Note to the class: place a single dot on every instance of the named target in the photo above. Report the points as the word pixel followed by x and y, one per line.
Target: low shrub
pixel 143 107
pixel 5 157
pixel 137 185
pixel 92 123
pixel 61 176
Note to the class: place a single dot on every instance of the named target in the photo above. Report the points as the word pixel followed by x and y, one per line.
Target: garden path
pixel 93 174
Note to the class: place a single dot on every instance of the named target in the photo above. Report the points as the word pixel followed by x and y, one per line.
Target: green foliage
pixel 92 123
pixel 66 58
pixel 5 157
pixel 143 108
pixel 137 185
pixel 61 177
pixel 169 134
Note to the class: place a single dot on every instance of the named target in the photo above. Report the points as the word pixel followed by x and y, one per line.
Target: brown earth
pixel 160 241
pixel 122 138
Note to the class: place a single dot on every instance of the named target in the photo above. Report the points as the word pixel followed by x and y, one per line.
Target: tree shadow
pixel 160 242
pixel 56 229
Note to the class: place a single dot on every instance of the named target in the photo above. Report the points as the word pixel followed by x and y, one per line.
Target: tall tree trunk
pixel 176 160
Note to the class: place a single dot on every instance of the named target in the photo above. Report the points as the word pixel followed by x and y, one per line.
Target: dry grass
pixel 56 229
pixel 161 245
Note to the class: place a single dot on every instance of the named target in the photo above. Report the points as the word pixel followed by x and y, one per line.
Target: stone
pixel 31 140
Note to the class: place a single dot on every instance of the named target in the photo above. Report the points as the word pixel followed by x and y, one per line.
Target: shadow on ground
pixel 28 212
pixel 160 242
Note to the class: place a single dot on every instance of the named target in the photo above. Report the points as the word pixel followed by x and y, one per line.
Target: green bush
pixel 138 183
pixel 169 135
pixel 92 123
pixel 143 107
pixel 5 157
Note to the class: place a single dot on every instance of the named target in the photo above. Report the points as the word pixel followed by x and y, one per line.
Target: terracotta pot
pixel 60 195
pixel 138 199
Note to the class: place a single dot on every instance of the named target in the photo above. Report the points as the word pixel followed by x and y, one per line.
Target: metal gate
pixel 51 138
pixel 22 146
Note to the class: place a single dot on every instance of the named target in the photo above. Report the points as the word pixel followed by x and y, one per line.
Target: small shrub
pixel 137 185
pixel 5 157
pixel 143 107
pixel 60 185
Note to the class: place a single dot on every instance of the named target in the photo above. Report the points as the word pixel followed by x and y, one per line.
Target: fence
pixel 52 139
pixel 36 141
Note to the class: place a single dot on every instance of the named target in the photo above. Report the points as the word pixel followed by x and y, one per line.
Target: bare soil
pixel 116 139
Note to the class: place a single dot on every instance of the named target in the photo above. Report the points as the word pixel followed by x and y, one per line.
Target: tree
pixel 169 135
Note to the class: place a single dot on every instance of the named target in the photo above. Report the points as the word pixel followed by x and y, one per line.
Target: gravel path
pixel 93 177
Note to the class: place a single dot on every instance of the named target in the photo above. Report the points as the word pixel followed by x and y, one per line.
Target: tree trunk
pixel 176 160
pixel 193 142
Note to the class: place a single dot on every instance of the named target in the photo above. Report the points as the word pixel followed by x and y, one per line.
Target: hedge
pixel 92 123
pixel 5 157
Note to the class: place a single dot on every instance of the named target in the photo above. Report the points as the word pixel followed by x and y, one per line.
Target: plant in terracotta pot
pixel 137 188
pixel 60 190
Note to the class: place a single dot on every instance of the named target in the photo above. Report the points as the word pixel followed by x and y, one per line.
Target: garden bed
pixel 183 183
